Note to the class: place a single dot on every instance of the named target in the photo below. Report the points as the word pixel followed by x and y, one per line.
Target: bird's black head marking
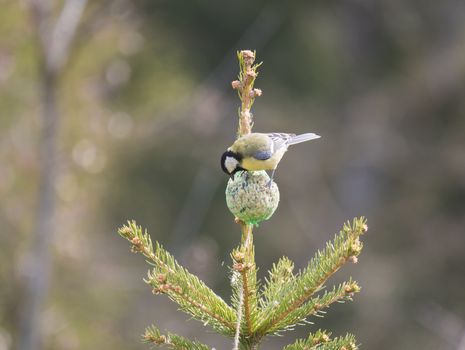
pixel 230 162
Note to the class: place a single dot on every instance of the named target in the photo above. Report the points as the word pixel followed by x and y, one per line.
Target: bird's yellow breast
pixel 253 164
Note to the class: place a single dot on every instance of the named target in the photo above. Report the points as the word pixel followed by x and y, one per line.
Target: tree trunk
pixel 38 268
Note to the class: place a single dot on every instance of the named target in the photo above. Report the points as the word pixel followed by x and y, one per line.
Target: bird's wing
pixel 263 154
pixel 280 139
pixel 303 138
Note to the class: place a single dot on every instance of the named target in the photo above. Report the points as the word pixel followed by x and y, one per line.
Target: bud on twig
pixel 249 57
pixel 238 256
pixel 236 84
pixel 238 267
pixel 136 245
pixel 125 231
pixel 321 338
pixel 161 278
pixel 250 75
pixel 255 93
pixel 351 288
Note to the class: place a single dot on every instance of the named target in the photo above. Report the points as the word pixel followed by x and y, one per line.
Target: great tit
pixel 258 151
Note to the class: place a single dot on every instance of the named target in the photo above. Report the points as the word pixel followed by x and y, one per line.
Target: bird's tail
pixel 302 138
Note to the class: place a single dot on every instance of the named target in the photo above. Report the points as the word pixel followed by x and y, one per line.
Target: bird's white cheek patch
pixel 230 163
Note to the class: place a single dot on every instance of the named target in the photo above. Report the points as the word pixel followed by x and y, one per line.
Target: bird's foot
pixel 271 178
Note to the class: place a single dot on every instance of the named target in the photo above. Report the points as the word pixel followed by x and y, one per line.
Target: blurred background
pixel 117 110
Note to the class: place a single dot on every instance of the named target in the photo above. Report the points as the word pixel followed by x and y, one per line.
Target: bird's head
pixel 230 162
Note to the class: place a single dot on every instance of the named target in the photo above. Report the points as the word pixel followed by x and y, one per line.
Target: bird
pixel 260 151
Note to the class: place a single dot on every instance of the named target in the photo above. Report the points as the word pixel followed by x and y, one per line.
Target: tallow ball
pixel 250 198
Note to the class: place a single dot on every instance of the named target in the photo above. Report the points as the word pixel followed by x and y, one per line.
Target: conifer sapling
pixel 285 299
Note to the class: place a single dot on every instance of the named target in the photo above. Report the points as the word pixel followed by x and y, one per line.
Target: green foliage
pixel 281 274
pixel 321 340
pixel 168 277
pixel 285 300
pixel 152 335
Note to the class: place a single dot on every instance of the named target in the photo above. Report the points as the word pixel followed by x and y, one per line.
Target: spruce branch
pixel 153 336
pixel 281 275
pixel 345 247
pixel 315 306
pixel 170 278
pixel 321 340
